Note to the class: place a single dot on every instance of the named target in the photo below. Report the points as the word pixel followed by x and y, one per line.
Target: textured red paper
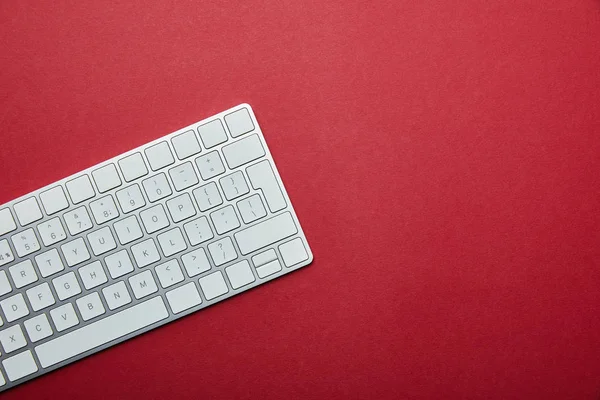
pixel 443 157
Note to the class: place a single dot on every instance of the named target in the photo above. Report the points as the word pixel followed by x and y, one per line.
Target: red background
pixel 443 158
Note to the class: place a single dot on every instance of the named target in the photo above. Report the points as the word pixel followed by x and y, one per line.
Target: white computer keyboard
pixel 142 239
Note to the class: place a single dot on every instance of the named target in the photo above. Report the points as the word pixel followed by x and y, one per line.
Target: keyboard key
pixel 38 328
pixel 171 242
pixel 104 209
pixel 4 284
pixel 128 230
pixel 195 262
pixel 54 200
pixel 212 133
pixel 25 242
pixel 210 165
pixel 181 208
pixel 207 196
pixel 28 211
pixel 145 253
pixel 130 198
pixel 265 233
pixel 66 286
pixel 222 251
pixel 116 295
pixel 154 218
pixel 159 156
pixel 19 366
pixel 251 209
pixel 169 273
pixel 213 285
pixel 293 252
pixel 6 255
pixel 80 189
pixel 49 263
pixel 40 297
pixel 268 269
pixel 183 176
pixel 133 167
pixel 262 177
pixel 101 332
pixel 12 339
pixel 198 231
pixel 243 151
pixel 143 284
pixel 185 145
pixel 106 178
pixel 225 220
pixel 264 257
pixel 101 241
pixel 75 252
pixel 240 274
pixel 183 298
pixel 51 231
pixel 234 185
pixel 23 274
pixel 14 307
pixel 157 187
pixel 90 306
pixel 118 264
pixel 64 317
pixel 78 221
pixel 7 222
pixel 92 275
pixel 239 122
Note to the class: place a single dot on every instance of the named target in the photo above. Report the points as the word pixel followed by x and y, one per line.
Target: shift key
pixel 266 233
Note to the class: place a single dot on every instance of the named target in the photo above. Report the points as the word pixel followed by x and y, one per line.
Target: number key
pixel 6 254
pixel 51 231
pixel 130 198
pixel 78 220
pixel 25 242
pixel 104 209
pixel 157 187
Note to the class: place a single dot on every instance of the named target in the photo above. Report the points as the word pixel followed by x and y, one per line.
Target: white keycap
pixel 172 242
pixel 225 219
pixel 23 273
pixel 213 285
pixel 157 187
pixel 183 298
pixel 40 297
pixel 14 307
pixel 133 167
pixel 28 211
pixel 101 241
pixel 265 233
pixel 239 122
pixel 243 151
pixel 116 295
pixel 207 196
pixel 195 262
pixel 181 207
pixel 6 255
pixel 186 145
pixel 92 275
pixel 264 258
pixel 268 269
pixel 154 218
pixel 130 198
pixel 78 220
pixel 49 263
pixel 90 306
pixel 183 176
pixel 80 189
pixel 128 230
pixel 12 338
pixel 54 200
pixel 169 273
pixel 210 165
pixel 262 177
pixel 212 133
pixel 25 242
pixel 64 317
pixel 240 274
pixel 19 366
pixel 145 253
pixel 104 209
pixel 38 328
pixel 159 156
pixel 4 284
pixel 102 331
pixel 51 231
pixel 293 252
pixel 106 178
pixel 143 284
pixel 118 264
pixel 2 381
pixel 222 251
pixel 234 185
pixel 66 286
pixel 75 252
pixel 198 231
pixel 251 209
pixel 7 222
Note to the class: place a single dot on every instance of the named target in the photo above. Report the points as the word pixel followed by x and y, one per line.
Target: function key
pixel 186 145
pixel 7 223
pixel 212 133
pixel 106 178
pixel 28 211
pixel 239 122
pixel 80 189
pixel 54 200
pixel 133 167
pixel 159 156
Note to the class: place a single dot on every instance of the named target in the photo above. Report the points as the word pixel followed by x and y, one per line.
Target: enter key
pixel 262 177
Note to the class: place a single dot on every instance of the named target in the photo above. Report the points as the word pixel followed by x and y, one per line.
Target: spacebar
pixel 101 332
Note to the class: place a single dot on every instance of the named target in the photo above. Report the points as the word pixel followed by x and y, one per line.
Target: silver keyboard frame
pixel 161 292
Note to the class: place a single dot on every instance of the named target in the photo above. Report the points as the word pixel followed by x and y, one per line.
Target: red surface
pixel 443 158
